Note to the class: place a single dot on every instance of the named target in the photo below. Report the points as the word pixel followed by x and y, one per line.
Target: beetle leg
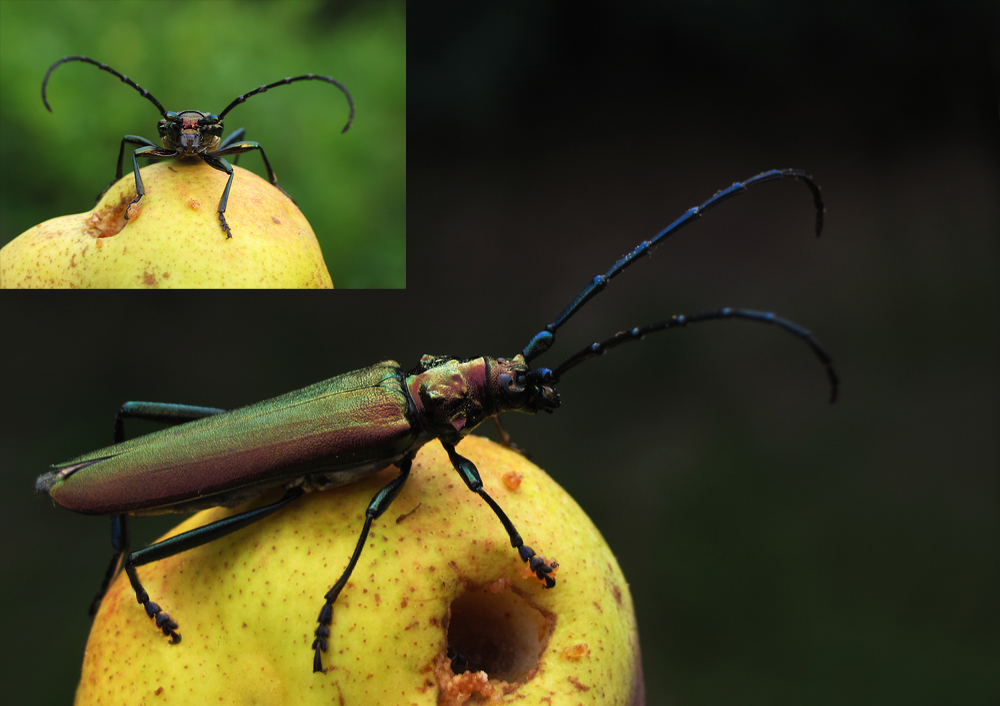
pixel 240 147
pixel 470 474
pixel 150 152
pixel 505 439
pixel 190 540
pixel 132 140
pixel 120 542
pixel 170 414
pixel 379 504
pixel 163 412
pixel 234 137
pixel 223 166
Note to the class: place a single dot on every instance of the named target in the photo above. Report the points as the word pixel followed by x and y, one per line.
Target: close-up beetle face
pixel 190 131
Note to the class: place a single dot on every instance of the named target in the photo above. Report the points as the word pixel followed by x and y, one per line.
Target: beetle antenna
pixel 681 320
pixel 103 67
pixel 282 82
pixel 544 339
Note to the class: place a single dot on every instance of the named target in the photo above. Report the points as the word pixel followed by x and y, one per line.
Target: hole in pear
pixel 492 629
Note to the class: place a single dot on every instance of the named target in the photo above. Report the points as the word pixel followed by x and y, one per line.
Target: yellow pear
pixel 437 574
pixel 172 237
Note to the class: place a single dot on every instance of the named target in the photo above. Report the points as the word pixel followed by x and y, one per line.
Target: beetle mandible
pixel 340 430
pixel 193 133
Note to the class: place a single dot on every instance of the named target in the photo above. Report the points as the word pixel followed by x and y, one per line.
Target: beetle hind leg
pixel 120 542
pixel 163 620
pixel 379 504
pixel 189 540
pixel 541 567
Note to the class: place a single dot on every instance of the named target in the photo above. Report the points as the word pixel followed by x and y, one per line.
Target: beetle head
pixel 522 389
pixel 190 132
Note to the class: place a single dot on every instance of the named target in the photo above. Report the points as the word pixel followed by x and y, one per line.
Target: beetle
pixel 343 429
pixel 194 133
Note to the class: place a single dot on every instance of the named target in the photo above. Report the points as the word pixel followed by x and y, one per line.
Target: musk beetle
pixel 193 133
pixel 340 430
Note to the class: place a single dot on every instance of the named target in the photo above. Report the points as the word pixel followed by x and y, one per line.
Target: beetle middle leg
pixel 236 136
pixel 379 504
pixel 232 146
pixel 470 474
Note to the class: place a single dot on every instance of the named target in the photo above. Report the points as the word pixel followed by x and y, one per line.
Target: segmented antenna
pixel 282 82
pixel 103 67
pixel 544 339
pixel 681 320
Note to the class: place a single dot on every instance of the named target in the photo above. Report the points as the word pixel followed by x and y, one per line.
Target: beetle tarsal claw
pixel 163 620
pixel 538 565
pixel 322 633
pixel 318 663
pixel 225 226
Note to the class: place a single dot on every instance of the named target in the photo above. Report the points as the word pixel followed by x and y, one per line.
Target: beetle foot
pixel 541 567
pixel 130 203
pixel 225 226
pixel 322 635
pixel 163 621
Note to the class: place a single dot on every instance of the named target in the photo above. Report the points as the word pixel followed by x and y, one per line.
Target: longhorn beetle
pixel 192 133
pixel 340 430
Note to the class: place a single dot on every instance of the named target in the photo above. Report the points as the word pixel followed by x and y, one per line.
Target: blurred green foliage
pixel 202 55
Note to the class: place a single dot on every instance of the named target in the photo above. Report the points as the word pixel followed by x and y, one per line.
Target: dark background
pixel 779 550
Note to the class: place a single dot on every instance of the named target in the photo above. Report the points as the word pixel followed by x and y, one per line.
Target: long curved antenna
pixel 282 82
pixel 103 67
pixel 680 320
pixel 543 340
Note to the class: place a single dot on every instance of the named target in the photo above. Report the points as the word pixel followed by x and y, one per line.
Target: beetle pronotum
pixel 340 430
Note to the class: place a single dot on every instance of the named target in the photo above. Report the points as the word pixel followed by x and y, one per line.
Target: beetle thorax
pixel 452 397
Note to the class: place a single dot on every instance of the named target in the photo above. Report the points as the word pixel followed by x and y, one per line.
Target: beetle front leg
pixel 152 152
pixel 132 140
pixel 223 166
pixel 470 474
pixel 379 504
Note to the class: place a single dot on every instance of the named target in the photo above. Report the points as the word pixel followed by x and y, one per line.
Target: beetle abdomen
pixel 353 424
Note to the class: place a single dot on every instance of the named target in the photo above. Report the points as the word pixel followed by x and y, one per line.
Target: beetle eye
pixel 514 386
